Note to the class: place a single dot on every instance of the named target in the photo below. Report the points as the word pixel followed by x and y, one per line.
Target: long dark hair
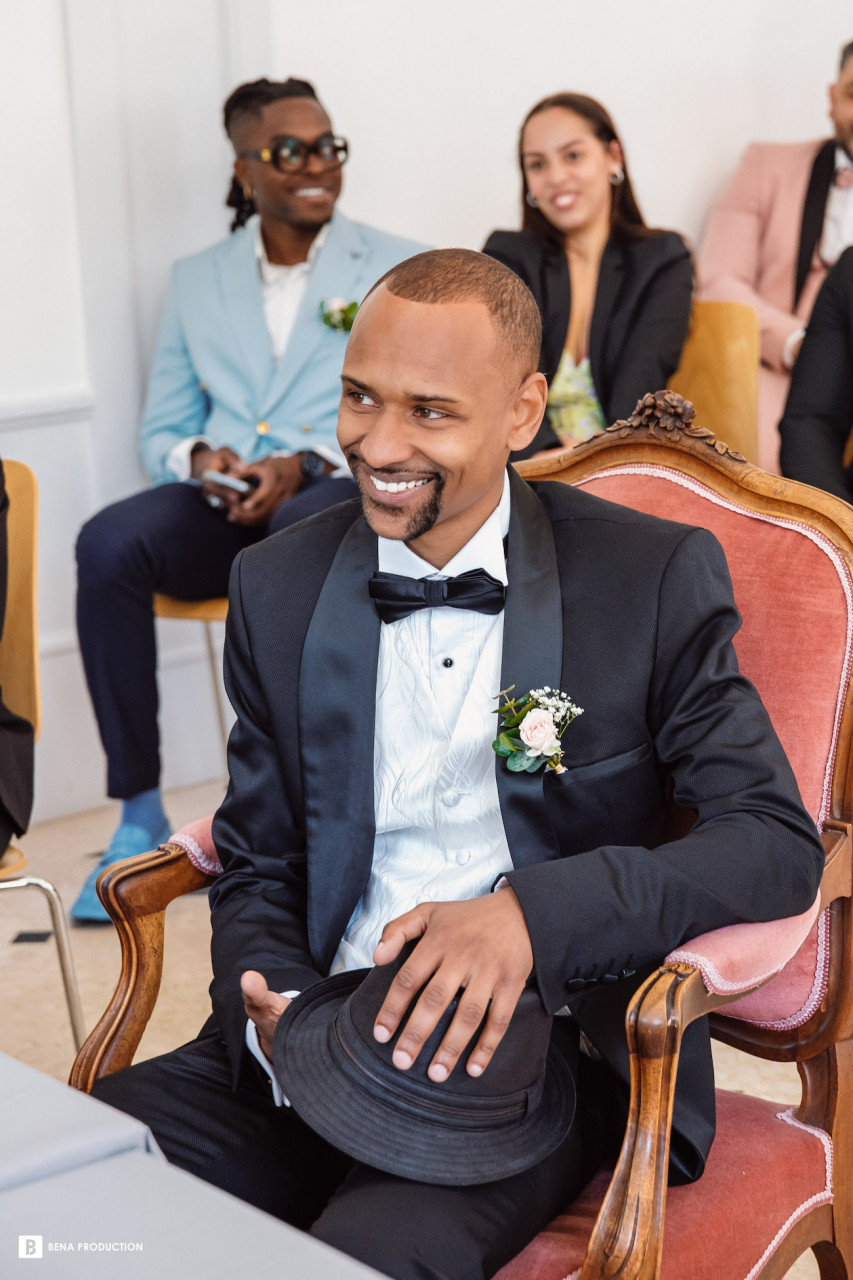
pixel 249 100
pixel 626 221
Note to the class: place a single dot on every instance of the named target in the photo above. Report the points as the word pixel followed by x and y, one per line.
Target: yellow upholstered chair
pixel 208 612
pixel 19 679
pixel 718 372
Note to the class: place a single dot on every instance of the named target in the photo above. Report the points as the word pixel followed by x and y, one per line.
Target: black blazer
pixel 819 410
pixel 16 734
pixel 639 322
pixel 633 617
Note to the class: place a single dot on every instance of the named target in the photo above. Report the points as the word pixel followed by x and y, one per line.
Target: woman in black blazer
pixel 614 294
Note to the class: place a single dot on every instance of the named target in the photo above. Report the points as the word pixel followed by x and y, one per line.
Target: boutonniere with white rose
pixel 338 314
pixel 531 728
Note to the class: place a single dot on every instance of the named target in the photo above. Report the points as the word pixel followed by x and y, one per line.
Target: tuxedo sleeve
pixel 819 412
pixel 753 854
pixel 258 904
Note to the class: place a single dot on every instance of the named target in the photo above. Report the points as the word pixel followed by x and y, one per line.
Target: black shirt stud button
pixel 447 662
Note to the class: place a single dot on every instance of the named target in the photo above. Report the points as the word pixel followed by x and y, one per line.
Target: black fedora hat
pixel 467 1130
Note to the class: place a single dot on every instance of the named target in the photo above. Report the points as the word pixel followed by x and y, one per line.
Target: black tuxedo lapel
pixel 610 275
pixel 337 712
pixel 532 657
pixel 814 209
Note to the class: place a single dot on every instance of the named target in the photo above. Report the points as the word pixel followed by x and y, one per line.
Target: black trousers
pixel 165 539
pixel 264 1154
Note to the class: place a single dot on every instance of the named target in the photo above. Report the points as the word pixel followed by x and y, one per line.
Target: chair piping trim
pixel 820 541
pixel 196 855
pixel 820 1197
pixel 714 980
pixel 818 991
pixel 813 1202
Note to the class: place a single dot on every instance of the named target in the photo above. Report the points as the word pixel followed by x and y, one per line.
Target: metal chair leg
pixel 63 948
pixel 212 658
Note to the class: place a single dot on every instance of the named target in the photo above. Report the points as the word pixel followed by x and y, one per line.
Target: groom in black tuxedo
pixel 631 616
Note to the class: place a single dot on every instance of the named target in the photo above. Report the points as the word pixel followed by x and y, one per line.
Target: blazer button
pixel 306 431
pixel 609 977
pixel 576 984
pixel 263 428
pixel 627 973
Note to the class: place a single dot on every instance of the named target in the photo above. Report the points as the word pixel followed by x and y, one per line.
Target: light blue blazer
pixel 214 373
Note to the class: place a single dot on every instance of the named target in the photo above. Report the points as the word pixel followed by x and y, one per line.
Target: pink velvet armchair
pixel 778 1180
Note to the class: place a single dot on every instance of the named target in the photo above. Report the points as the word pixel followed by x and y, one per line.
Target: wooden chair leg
pixel 830 1263
pixel 63 950
pixel 213 661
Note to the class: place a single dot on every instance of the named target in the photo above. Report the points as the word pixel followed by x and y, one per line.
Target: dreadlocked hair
pixel 249 100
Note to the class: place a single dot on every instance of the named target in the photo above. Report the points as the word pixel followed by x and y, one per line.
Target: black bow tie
pixel 396 597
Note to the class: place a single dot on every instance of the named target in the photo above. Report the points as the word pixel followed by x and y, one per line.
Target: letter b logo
pixel 30 1246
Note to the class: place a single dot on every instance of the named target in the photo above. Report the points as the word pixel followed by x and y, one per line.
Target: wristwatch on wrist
pixel 312 465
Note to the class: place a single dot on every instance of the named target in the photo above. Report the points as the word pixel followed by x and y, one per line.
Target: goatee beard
pixel 419 522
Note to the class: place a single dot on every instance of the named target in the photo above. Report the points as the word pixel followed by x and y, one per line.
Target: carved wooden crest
pixel 668 416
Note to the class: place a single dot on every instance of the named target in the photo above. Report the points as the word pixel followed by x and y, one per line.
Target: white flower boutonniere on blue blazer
pixel 338 314
pixel 531 728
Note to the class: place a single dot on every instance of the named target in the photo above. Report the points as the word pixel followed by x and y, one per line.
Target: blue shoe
pixel 127 842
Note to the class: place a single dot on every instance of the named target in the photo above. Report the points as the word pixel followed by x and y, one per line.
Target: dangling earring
pixel 531 200
pixel 248 193
pixel 617 176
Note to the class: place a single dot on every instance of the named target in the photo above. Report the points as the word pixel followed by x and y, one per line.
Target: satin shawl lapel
pixel 532 657
pixel 336 273
pixel 336 715
pixel 243 305
pixel 610 276
pixel 814 208
pixel 556 294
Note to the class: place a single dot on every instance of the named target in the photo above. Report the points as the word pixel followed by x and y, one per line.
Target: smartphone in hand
pixel 230 482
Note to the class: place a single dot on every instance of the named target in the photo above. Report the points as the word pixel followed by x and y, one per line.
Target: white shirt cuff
pixel 179 457
pixel 253 1045
pixel 788 349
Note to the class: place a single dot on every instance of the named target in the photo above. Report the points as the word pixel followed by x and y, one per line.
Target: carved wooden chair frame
pixel 628 1234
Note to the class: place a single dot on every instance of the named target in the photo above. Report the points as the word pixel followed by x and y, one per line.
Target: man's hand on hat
pixel 263 1007
pixel 481 945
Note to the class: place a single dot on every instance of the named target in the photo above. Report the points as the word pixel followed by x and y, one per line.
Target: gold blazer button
pixel 263 428
pixel 306 431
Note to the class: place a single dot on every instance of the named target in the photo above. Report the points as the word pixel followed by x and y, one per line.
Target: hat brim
pixel 375 1132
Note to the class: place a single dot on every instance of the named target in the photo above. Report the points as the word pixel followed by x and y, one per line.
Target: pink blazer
pixel 749 254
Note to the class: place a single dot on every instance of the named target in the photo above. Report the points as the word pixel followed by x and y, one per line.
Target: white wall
pixel 115 164
pixel 432 95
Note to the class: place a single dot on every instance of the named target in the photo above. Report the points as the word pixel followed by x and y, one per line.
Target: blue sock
pixel 145 810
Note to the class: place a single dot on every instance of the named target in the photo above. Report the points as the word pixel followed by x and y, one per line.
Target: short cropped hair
pixel 846 55
pixel 462 275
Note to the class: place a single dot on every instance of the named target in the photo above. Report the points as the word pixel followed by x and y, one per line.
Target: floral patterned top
pixel 573 406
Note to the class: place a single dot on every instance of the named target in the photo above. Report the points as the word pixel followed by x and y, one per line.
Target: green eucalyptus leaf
pixel 517 762
pixel 498 746
pixel 535 763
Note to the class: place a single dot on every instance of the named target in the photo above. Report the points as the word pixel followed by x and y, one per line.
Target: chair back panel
pixel 19 665
pixel 794 593
pixel 718 372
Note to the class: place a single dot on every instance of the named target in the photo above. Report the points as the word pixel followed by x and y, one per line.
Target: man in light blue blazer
pixel 244 387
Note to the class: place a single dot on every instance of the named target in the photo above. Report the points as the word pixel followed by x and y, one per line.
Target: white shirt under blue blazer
pixel 214 372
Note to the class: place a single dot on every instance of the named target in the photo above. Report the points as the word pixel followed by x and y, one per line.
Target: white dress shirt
pixel 838 216
pixel 282 291
pixel 439 831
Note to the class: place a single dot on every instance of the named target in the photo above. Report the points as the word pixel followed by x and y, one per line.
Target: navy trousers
pixel 166 539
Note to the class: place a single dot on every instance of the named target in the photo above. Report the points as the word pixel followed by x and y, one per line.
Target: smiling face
pixel 568 170
pixel 432 404
pixel 841 107
pixel 306 199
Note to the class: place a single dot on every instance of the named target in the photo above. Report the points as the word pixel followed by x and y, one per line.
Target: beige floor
pixel 33 1021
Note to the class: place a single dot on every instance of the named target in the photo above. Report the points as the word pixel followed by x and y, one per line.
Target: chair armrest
pixel 135 893
pixel 627 1238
